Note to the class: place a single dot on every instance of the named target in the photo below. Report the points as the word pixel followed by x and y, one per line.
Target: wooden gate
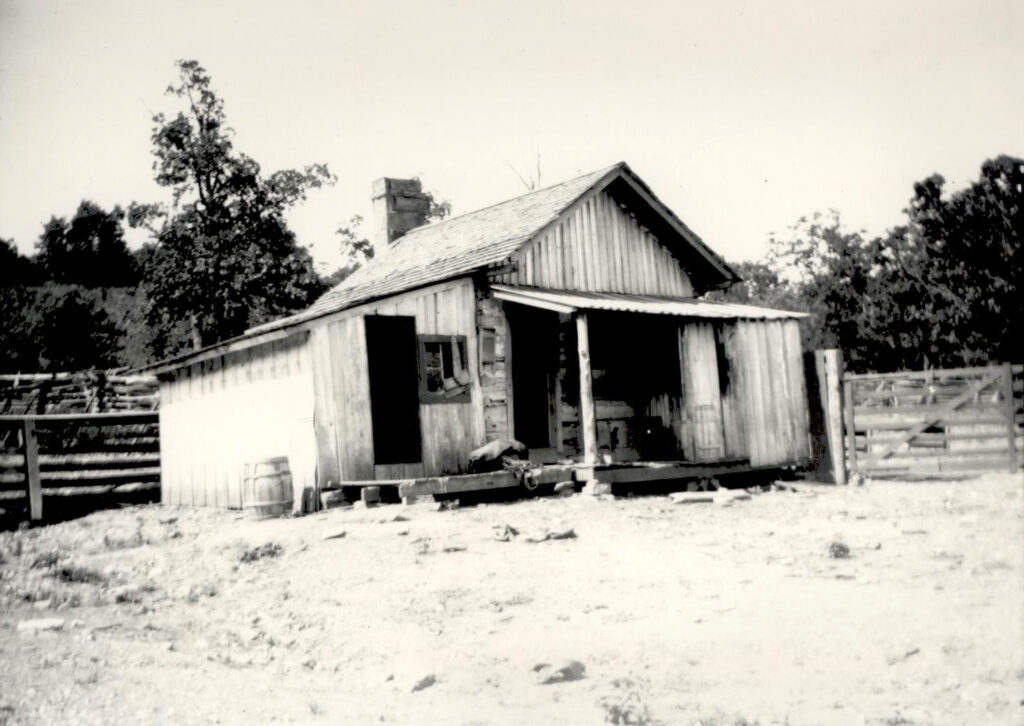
pixel 933 423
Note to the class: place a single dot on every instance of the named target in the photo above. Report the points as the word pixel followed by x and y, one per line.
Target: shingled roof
pixel 449 248
pixel 471 241
pixel 460 245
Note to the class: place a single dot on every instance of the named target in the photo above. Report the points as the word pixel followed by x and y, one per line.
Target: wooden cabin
pixel 569 318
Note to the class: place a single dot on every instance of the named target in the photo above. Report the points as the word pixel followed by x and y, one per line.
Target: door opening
pixel 391 350
pixel 534 367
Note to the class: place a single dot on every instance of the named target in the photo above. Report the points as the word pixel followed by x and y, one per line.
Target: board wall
pixel 241 407
pixel 341 383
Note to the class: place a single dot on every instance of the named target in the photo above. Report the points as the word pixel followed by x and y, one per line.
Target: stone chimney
pixel 399 205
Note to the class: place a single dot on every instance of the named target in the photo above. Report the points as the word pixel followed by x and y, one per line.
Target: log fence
pixel 67 434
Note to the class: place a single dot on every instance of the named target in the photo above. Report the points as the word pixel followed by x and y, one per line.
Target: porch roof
pixel 566 301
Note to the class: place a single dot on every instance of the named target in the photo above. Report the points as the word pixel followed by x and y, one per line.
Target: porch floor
pixel 620 473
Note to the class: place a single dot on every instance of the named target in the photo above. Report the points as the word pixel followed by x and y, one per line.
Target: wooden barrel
pixel 267 487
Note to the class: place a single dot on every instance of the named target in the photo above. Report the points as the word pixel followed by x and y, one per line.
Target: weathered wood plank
pixel 832 360
pixel 91 419
pixel 938 373
pixel 1011 423
pixel 851 427
pixel 586 412
pixel 33 482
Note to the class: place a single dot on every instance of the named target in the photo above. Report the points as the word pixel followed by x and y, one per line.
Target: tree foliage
pixel 222 257
pixel 15 268
pixel 89 250
pixel 942 290
pixel 54 327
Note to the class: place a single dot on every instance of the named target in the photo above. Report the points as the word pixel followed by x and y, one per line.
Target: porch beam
pixel 587 417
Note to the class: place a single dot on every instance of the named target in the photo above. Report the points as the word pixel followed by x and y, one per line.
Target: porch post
pixel 588 423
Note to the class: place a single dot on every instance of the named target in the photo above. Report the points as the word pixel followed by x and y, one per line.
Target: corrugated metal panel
pixel 567 302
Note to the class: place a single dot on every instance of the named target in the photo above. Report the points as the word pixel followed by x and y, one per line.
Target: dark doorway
pixel 534 365
pixel 394 388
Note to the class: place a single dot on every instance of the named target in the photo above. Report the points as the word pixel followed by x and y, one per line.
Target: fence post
pixel 834 412
pixel 851 430
pixel 1011 417
pixel 33 483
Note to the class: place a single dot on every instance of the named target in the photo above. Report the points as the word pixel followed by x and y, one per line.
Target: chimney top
pixel 399 205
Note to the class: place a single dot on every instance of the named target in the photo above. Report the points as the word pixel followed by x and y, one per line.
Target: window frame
pixel 460 392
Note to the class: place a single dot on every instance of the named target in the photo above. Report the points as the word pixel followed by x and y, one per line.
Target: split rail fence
pixel 73 434
pixel 921 424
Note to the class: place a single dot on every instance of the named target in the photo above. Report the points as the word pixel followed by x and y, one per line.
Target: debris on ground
pixel 569 533
pixel 270 549
pixel 900 658
pixel 40 625
pixel 563 671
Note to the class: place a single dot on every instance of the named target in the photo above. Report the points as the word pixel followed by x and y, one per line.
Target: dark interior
pixel 394 388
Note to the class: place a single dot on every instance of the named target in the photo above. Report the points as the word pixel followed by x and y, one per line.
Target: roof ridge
pixel 435 225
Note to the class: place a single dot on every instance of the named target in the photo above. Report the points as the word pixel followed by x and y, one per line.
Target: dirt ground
pixel 653 613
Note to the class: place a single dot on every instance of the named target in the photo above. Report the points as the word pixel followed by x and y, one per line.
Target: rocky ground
pixel 892 603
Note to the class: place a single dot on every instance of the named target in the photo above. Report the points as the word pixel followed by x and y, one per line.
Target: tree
pixel 88 251
pixel 962 265
pixel 74 332
pixel 222 258
pixel 943 289
pixel 15 268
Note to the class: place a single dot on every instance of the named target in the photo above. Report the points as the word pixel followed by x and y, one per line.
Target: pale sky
pixel 742 116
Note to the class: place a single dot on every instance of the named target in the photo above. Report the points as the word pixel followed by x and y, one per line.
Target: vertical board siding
pixel 770 394
pixel 798 403
pixel 733 419
pixel 449 431
pixel 600 247
pixel 244 406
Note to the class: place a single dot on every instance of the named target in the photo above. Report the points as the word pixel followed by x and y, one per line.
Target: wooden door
pixel 702 397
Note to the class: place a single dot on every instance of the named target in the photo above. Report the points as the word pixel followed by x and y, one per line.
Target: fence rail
pixel 81 452
pixel 934 423
pixel 84 392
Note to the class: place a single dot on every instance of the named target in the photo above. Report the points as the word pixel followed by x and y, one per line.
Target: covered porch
pixel 647 386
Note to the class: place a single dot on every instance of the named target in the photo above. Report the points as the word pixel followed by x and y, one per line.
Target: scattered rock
pixel 565 488
pixel 336 535
pixel 42 624
pixel 561 672
pixel 332 499
pixel 127 593
pixel 505 532
pixel 270 549
pixel 839 551
pixel 425 682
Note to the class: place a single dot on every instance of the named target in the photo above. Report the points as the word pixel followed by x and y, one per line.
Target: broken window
pixel 444 369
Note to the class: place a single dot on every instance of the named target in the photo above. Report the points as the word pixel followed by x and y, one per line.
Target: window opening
pixel 444 369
